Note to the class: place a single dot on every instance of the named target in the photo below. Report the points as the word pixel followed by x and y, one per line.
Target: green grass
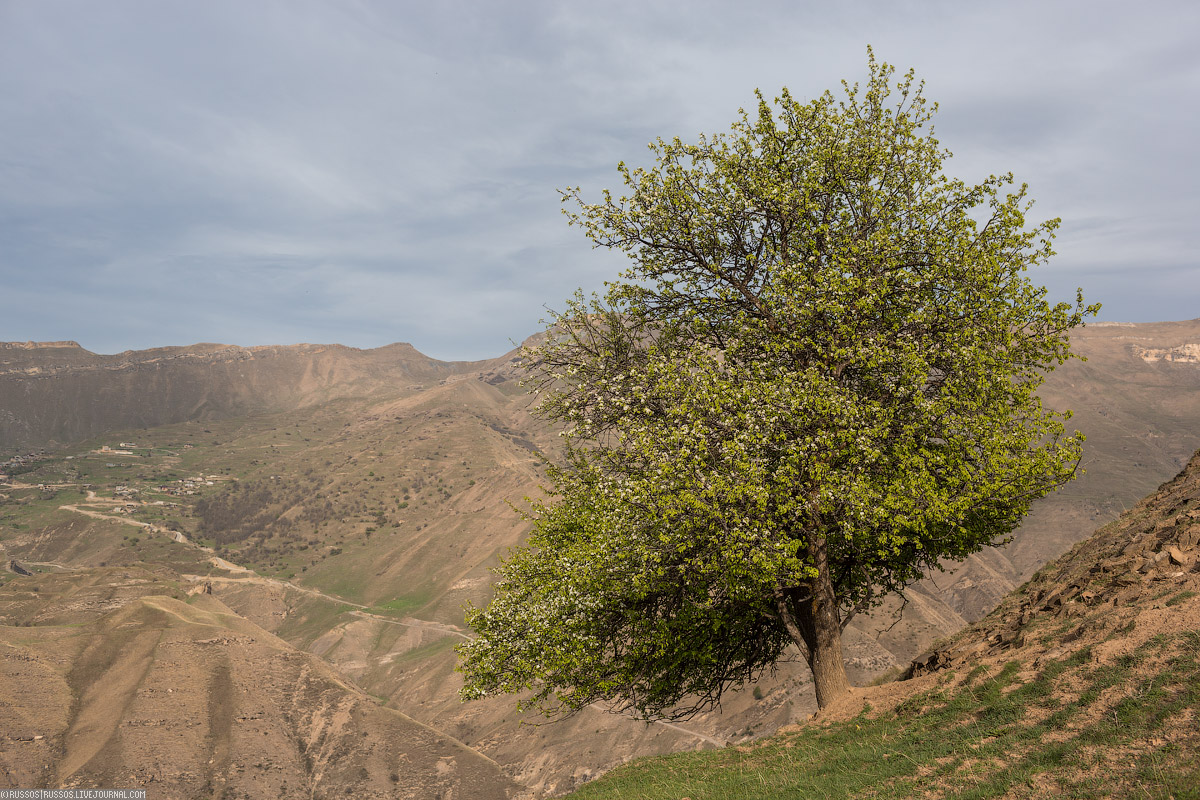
pixel 992 735
pixel 404 604
pixel 1179 598
pixel 437 646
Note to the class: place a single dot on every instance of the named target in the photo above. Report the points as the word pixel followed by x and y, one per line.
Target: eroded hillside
pixel 57 392
pixel 118 680
pixel 351 507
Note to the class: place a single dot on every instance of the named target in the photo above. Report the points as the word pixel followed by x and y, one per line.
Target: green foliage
pixel 405 604
pixel 815 380
pixel 237 513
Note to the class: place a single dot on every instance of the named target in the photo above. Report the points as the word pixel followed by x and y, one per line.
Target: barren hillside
pixel 111 683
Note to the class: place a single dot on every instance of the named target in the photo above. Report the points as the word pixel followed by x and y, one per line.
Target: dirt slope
pixel 187 699
pixel 1143 569
pixel 1121 610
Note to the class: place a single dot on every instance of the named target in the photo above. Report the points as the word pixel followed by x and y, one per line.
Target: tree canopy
pixel 815 380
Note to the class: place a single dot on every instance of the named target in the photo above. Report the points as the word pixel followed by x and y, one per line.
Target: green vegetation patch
pixel 1181 597
pixel 992 735
pixel 404 604
pixel 425 651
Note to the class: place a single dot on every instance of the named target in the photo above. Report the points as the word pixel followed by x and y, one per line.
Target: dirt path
pixel 221 563
pixel 18 485
pixel 697 734
pixel 249 576
pixel 55 564
pixel 411 622
pixel 417 623
pixel 176 535
pixel 414 623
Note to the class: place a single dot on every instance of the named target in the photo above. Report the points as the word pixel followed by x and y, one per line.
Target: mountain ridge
pixel 54 395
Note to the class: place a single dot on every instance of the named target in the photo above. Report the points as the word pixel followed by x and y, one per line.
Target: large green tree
pixel 814 382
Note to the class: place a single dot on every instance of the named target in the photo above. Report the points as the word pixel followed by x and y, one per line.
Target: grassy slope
pixel 1072 728
pixel 1084 683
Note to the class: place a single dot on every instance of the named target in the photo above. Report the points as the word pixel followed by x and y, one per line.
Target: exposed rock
pixel 930 662
pixel 1184 354
pixel 1078 580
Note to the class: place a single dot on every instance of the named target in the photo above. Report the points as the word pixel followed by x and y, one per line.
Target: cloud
pixel 364 172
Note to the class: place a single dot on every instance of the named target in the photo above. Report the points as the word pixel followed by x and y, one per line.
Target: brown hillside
pixel 58 392
pixel 372 499
pixel 186 699
pixel 1140 573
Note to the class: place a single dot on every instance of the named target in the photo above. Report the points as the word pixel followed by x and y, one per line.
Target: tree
pixel 815 381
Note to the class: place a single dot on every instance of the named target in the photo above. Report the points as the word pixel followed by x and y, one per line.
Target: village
pixel 19 464
pixel 126 496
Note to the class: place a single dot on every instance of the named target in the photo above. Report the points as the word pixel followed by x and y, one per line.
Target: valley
pixel 340 508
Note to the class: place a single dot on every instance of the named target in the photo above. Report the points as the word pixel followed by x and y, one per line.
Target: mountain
pixel 56 392
pixel 351 525
pixel 1085 682
pixel 367 492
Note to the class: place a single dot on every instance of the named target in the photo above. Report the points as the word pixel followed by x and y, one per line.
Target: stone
pixel 1137 547
pixel 1178 557
pixel 1190 538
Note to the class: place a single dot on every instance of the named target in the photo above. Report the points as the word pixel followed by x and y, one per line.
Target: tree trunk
pixel 815 625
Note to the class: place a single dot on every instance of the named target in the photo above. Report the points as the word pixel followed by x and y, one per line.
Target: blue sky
pixel 370 172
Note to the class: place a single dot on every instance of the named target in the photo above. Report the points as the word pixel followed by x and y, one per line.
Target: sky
pixel 363 173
